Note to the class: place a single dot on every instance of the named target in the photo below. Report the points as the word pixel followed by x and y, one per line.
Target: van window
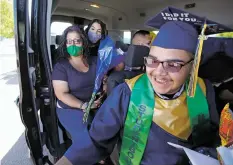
pixel 127 37
pixel 57 28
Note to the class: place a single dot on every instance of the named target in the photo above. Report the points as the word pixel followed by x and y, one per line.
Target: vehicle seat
pixel 122 46
pixel 58 40
pixel 219 71
pixel 54 49
pixel 134 58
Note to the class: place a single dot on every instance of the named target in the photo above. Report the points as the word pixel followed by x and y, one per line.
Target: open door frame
pixel 41 26
pixel 34 73
pixel 27 103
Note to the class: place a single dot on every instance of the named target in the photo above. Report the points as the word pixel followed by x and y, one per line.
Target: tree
pixel 6 19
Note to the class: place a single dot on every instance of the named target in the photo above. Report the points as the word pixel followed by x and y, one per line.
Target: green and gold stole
pixel 140 116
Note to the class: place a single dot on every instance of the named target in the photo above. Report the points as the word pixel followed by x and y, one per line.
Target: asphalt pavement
pixel 13 147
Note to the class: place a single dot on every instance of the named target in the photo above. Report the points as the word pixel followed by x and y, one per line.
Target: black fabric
pixel 218 68
pixel 135 55
pixel 218 90
pixel 133 58
pixel 58 39
pixel 53 53
pixel 118 77
pixel 231 107
pixel 93 50
pixel 122 46
pixel 207 127
pixel 170 96
pixel 210 95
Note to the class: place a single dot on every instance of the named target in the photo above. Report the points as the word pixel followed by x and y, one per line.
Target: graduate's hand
pixel 97 103
pixel 105 79
pixel 99 99
pixel 105 88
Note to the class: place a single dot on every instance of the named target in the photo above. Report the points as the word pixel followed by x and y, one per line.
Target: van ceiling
pixel 132 14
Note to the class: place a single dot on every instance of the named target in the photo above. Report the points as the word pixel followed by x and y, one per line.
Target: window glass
pixel 127 37
pixel 57 28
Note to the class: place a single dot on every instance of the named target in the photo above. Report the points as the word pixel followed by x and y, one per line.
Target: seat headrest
pixel 52 47
pixel 58 39
pixel 218 68
pixel 122 46
pixel 135 55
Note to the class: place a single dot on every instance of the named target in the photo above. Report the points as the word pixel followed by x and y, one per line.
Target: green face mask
pixel 74 50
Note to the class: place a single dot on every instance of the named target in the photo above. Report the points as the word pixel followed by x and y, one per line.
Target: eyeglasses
pixel 74 41
pixel 168 66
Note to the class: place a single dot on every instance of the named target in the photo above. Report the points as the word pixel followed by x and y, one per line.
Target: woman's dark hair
pixel 62 47
pixel 104 32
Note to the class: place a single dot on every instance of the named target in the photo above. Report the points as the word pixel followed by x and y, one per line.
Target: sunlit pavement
pixel 13 148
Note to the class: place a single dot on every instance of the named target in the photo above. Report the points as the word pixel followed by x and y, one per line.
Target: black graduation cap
pixel 176 32
pixel 217 44
pixel 174 14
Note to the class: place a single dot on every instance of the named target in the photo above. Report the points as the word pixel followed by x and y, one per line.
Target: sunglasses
pixel 74 41
pixel 168 66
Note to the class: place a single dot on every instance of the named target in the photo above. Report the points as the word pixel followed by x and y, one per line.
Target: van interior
pixel 39 26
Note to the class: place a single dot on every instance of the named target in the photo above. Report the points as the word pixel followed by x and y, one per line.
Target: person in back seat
pixel 73 80
pixel 152 109
pixel 96 31
pixel 141 37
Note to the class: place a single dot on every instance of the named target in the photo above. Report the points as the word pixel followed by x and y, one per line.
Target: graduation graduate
pixel 160 106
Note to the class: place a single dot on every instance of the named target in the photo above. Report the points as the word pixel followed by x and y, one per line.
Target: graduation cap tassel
pixel 197 59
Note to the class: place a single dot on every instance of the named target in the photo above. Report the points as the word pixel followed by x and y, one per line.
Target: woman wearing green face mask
pixel 73 81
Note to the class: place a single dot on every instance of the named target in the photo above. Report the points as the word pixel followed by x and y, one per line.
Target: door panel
pixel 27 103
